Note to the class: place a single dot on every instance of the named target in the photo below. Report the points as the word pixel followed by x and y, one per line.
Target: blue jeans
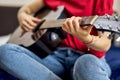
pixel 63 62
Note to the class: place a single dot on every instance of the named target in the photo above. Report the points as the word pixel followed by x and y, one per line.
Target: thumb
pixel 89 28
pixel 36 19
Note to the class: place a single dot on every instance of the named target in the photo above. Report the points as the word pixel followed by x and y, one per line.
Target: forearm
pixel 32 7
pixel 100 43
pixel 26 20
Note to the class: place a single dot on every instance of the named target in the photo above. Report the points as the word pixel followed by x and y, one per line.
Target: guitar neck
pixel 103 23
pixel 86 21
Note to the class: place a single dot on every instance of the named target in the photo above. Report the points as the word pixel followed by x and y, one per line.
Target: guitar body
pixel 44 44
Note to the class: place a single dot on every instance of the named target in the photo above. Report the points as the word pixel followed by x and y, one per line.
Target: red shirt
pixel 82 8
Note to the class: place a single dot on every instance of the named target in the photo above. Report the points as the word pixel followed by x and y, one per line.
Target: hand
pixel 72 26
pixel 27 22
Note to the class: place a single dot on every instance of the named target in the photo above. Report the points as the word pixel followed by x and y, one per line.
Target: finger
pixel 88 28
pixel 31 23
pixel 24 28
pixel 70 24
pixel 65 27
pixel 76 24
pixel 36 20
pixel 26 25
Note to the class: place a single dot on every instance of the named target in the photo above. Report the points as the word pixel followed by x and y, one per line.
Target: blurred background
pixel 8 16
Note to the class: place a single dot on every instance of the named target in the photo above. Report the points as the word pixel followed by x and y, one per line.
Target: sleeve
pixel 103 7
pixel 97 53
pixel 53 4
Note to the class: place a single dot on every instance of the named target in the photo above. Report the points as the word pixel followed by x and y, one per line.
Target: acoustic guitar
pixel 51 25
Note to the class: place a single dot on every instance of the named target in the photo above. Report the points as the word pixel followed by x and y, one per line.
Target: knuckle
pixel 74 21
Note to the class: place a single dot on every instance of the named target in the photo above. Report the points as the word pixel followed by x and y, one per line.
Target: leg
pixel 89 67
pixel 23 64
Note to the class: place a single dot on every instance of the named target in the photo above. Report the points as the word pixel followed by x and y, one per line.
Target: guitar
pixel 42 45
pixel 46 14
pixel 51 23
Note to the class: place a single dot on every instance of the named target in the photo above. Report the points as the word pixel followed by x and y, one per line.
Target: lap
pixel 59 61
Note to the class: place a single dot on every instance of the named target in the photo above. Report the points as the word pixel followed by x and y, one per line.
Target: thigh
pixel 8 50
pixel 50 61
pixel 24 64
pixel 89 67
pixel 54 65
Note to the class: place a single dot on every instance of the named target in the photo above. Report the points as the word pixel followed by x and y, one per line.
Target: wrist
pixel 89 39
pixel 22 12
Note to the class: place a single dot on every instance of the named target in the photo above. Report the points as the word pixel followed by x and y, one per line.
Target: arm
pixel 26 20
pixel 71 25
pixel 32 7
pixel 100 43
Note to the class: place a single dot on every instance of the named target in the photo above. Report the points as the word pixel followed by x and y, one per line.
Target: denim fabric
pixel 89 67
pixel 59 65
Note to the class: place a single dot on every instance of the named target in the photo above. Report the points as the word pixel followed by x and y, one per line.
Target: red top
pixel 82 8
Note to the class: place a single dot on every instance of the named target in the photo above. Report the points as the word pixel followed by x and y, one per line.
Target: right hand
pixel 27 22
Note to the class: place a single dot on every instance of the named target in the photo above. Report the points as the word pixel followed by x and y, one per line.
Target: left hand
pixel 72 26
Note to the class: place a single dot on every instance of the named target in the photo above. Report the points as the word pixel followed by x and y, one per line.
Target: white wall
pixel 116 6
pixel 14 2
pixel 22 2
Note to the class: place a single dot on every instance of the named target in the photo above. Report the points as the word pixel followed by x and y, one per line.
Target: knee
pixel 85 64
pixel 89 67
pixel 86 60
pixel 6 49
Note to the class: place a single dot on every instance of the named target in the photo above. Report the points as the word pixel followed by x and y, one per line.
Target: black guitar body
pixel 48 42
